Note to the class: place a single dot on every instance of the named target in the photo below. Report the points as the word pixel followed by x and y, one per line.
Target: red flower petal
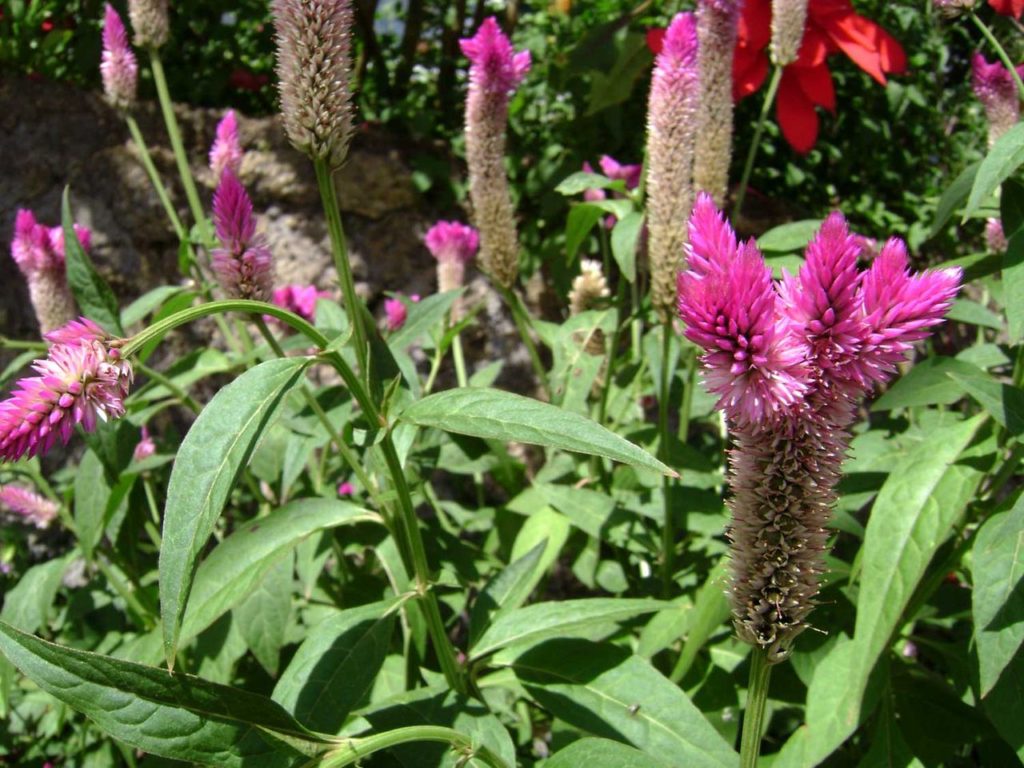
pixel 655 38
pixel 813 48
pixel 796 115
pixel 1012 8
pixel 816 83
pixel 749 69
pixel 868 45
pixel 754 28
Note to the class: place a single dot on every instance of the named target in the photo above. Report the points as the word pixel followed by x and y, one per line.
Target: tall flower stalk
pixel 790 363
pixel 716 36
pixel 243 263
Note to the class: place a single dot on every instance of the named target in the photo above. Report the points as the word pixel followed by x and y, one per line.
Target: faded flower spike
pixel 243 264
pixel 38 251
pixel 149 22
pixel 118 67
pixel 789 17
pixel 589 287
pixel 37 510
pixel 82 380
pixel 716 35
pixel 314 66
pixel 671 131
pixel 226 151
pixel 790 363
pixel 453 245
pixel 495 70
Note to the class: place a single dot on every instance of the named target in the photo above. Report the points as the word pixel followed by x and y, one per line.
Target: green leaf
pixel 1013 286
pixel 602 753
pixel 928 383
pixel 1003 704
pixel 28 603
pixel 582 218
pixel 95 299
pixel 423 317
pixel 494 414
pixel 148 302
pixel 1003 402
pixel 603 689
pixel 581 181
pixel 710 611
pixel 173 715
pixel 96 501
pixel 266 613
pixel 534 623
pixel 213 454
pixel 997 600
pixel 1002 160
pixel 787 238
pixel 334 668
pixel 234 568
pixel 625 237
pixel 508 590
pixel 954 197
pixel 1011 206
pixel 967 311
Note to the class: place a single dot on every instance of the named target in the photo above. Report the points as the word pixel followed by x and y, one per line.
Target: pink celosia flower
pixel 38 251
pixel 396 313
pixel 790 362
pixel 82 380
pixel 671 131
pixel 243 264
pixel 995 237
pixel 346 489
pixel 36 509
pixel 300 299
pixel 146 446
pixel 617 171
pixel 996 90
pixel 495 70
pixel 592 195
pixel 118 66
pixel 453 245
pixel 226 151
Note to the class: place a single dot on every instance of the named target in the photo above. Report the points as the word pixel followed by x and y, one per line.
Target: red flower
pixel 832 26
pixel 1012 8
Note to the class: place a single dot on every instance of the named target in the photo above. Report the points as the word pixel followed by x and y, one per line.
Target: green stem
pixel 769 99
pixel 668 533
pixel 523 326
pixel 156 181
pixel 175 136
pixel 359 749
pixel 460 362
pixel 1000 51
pixel 38 346
pixel 183 397
pixel 753 718
pixel 339 249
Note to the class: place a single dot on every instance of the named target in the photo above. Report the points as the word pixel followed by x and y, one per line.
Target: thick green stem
pixel 1000 52
pixel 174 135
pixel 155 180
pixel 753 717
pixel 668 532
pixel 460 362
pixel 339 249
pixel 357 750
pixel 748 166
pixel 523 326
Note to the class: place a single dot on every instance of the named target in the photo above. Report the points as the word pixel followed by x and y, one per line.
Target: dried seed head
pixel 789 17
pixel 671 132
pixel 149 22
pixel 716 36
pixel 588 288
pixel 314 67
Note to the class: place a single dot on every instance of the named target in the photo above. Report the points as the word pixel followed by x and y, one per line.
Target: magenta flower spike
pixel 38 251
pixel 82 380
pixel 395 313
pixel 453 245
pixel 346 489
pixel 995 88
pixel 226 151
pixel 300 299
pixel 671 135
pixel 37 510
pixel 790 363
pixel 495 71
pixel 244 265
pixel 118 67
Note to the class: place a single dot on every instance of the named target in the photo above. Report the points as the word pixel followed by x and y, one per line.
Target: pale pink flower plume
pixel 37 510
pixel 82 380
pixel 146 446
pixel 495 66
pixel 790 362
pixel 996 89
pixel 617 171
pixel 244 265
pixel 395 313
pixel 300 299
pixel 118 67
pixel 226 151
pixel 38 251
